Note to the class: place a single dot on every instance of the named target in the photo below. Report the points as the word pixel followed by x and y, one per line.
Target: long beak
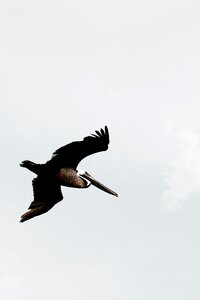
pixel 98 184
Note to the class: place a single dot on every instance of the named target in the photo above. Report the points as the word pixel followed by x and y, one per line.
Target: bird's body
pixel 69 177
pixel 61 170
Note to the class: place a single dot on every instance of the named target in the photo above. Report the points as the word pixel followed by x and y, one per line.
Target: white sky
pixel 68 68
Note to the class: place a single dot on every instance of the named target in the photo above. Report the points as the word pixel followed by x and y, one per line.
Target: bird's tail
pixel 33 167
pixel 33 213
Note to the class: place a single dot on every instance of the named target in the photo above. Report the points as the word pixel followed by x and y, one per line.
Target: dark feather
pixel 71 154
pixel 46 192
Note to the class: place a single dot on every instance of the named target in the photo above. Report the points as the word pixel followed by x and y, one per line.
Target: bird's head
pixel 81 173
pixel 90 180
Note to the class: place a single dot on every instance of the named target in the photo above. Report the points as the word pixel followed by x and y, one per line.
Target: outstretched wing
pixel 70 155
pixel 46 192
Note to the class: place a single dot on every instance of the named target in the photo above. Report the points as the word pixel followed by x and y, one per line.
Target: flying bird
pixel 61 170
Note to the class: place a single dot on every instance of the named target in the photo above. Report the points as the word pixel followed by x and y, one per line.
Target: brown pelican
pixel 61 170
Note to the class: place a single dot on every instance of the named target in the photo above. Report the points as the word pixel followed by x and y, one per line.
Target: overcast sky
pixel 68 68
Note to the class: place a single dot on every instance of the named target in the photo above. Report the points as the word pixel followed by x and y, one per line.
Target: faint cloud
pixel 9 286
pixel 182 179
pixel 113 97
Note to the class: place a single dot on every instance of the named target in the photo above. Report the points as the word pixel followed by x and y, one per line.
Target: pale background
pixel 68 68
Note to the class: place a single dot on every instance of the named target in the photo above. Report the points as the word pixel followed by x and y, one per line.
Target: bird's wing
pixel 70 155
pixel 47 193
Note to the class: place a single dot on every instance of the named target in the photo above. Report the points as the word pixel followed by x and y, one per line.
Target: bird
pixel 61 170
